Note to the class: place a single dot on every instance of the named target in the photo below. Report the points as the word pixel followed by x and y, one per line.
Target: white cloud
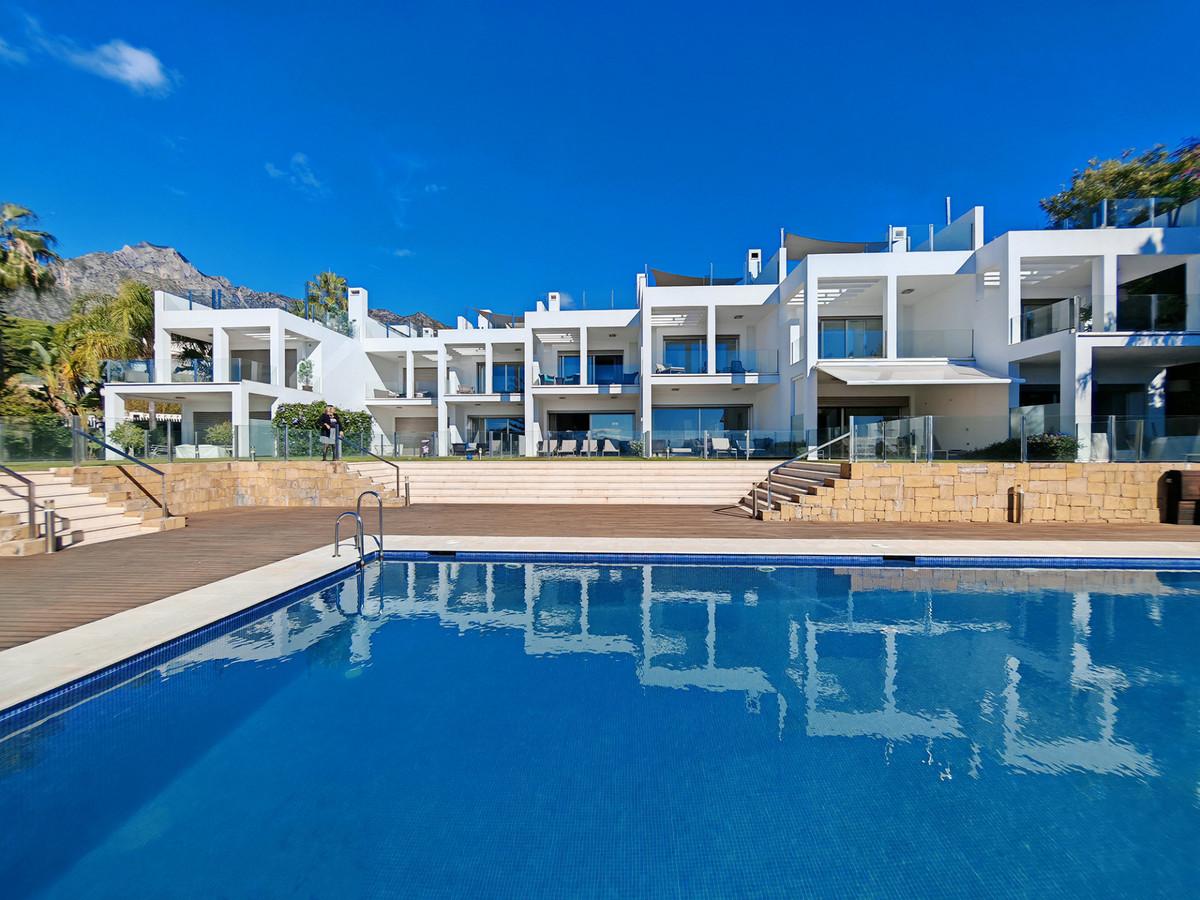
pixel 298 175
pixel 135 67
pixel 11 54
pixel 434 188
pixel 565 300
pixel 402 252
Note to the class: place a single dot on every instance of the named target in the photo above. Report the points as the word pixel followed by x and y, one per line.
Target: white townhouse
pixel 932 342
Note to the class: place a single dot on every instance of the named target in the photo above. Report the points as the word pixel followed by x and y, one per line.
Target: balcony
pixel 692 359
pixel 1135 312
pixel 745 362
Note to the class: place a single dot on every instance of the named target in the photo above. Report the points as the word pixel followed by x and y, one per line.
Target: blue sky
pixel 447 155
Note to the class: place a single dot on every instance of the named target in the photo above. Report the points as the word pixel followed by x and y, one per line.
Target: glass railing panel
pixel 1140 439
pixel 606 375
pixel 191 371
pixel 680 364
pixel 949 344
pixel 249 370
pixel 601 443
pixel 743 362
pixel 129 371
pixel 898 440
pixel 34 439
pixel 1152 312
pixel 1050 318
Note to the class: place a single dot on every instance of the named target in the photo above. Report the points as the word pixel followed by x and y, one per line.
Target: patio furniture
pixel 660 369
pixel 720 445
pixel 590 446
pixel 185 451
pixel 211 451
pixel 569 446
pixel 744 449
pixel 610 447
pixel 550 447
pixel 658 447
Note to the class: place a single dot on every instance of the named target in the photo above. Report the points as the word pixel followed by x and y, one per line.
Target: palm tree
pixel 326 293
pixel 25 253
pixel 69 362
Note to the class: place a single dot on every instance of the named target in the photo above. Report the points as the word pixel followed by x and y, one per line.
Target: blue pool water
pixel 533 730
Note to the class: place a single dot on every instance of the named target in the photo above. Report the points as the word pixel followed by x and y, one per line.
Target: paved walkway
pixel 41 595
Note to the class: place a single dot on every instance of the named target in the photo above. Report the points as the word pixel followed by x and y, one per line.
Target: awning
pixel 926 373
pixel 670 279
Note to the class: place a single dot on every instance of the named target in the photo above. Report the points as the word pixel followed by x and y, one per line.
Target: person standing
pixel 330 426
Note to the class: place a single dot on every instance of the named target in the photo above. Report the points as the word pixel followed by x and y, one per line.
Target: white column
pixel 488 354
pixel 277 354
pixel 533 428
pixel 410 375
pixel 220 354
pixel 710 313
pixel 1075 392
pixel 162 355
pixel 114 413
pixel 1192 289
pixel 583 354
pixel 1010 289
pixel 442 423
pixel 647 373
pixel 240 417
pixel 1104 292
pixel 891 317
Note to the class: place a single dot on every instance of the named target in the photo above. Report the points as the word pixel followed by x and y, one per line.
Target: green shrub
pixel 220 434
pixel 129 436
pixel 299 416
pixel 1040 447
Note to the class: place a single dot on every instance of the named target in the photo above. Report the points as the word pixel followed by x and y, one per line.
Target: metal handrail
pixel 358 534
pixel 355 445
pixel 31 488
pixel 117 450
pixel 806 455
pixel 358 511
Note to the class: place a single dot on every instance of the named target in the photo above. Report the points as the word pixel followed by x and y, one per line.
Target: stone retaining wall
pixel 1127 493
pixel 199 487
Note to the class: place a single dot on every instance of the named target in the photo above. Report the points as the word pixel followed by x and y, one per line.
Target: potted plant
pixel 304 371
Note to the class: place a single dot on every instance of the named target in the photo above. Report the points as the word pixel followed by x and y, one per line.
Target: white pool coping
pixel 32 669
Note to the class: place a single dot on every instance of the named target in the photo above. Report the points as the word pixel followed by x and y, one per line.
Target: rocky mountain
pixel 163 268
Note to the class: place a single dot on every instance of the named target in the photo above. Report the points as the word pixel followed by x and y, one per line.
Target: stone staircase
pixel 658 482
pixel 797 485
pixel 87 513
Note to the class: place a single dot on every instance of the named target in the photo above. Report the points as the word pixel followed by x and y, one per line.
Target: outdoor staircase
pixel 574 481
pixel 796 483
pixel 86 513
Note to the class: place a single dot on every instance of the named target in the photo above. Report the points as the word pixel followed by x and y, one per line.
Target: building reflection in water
pixel 969 666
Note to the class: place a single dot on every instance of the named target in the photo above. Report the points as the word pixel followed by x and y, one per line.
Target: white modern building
pixel 936 343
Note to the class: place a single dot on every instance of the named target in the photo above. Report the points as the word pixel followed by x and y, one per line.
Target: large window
pixel 851 338
pixel 692 421
pixel 507 378
pixel 685 354
pixel 603 368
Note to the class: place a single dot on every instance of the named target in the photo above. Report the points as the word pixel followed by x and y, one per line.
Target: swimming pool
pixel 532 729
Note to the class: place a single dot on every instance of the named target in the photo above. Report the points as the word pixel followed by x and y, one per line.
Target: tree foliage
pixel 1156 172
pixel 355 424
pixel 26 254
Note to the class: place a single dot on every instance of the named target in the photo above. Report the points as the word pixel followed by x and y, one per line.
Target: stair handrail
pixel 361 449
pixel 31 488
pixel 805 456
pixel 358 509
pixel 133 459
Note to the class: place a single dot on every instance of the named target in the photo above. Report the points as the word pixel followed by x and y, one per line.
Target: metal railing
pixel 805 456
pixel 358 534
pixel 358 511
pixel 31 499
pixel 354 445
pixel 80 433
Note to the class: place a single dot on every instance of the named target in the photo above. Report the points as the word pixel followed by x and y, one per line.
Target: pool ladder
pixel 360 534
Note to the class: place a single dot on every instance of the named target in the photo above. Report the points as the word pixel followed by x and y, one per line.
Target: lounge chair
pixel 550 446
pixel 720 445
pixel 658 448
pixel 610 447
pixel 590 446
pixel 569 446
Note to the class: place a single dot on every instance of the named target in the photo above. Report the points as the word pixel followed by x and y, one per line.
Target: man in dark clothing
pixel 329 425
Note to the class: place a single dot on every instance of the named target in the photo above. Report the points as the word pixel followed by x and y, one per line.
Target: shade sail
pixel 887 373
pixel 670 279
pixel 799 247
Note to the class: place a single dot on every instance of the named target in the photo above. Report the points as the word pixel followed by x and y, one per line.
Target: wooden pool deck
pixel 42 595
